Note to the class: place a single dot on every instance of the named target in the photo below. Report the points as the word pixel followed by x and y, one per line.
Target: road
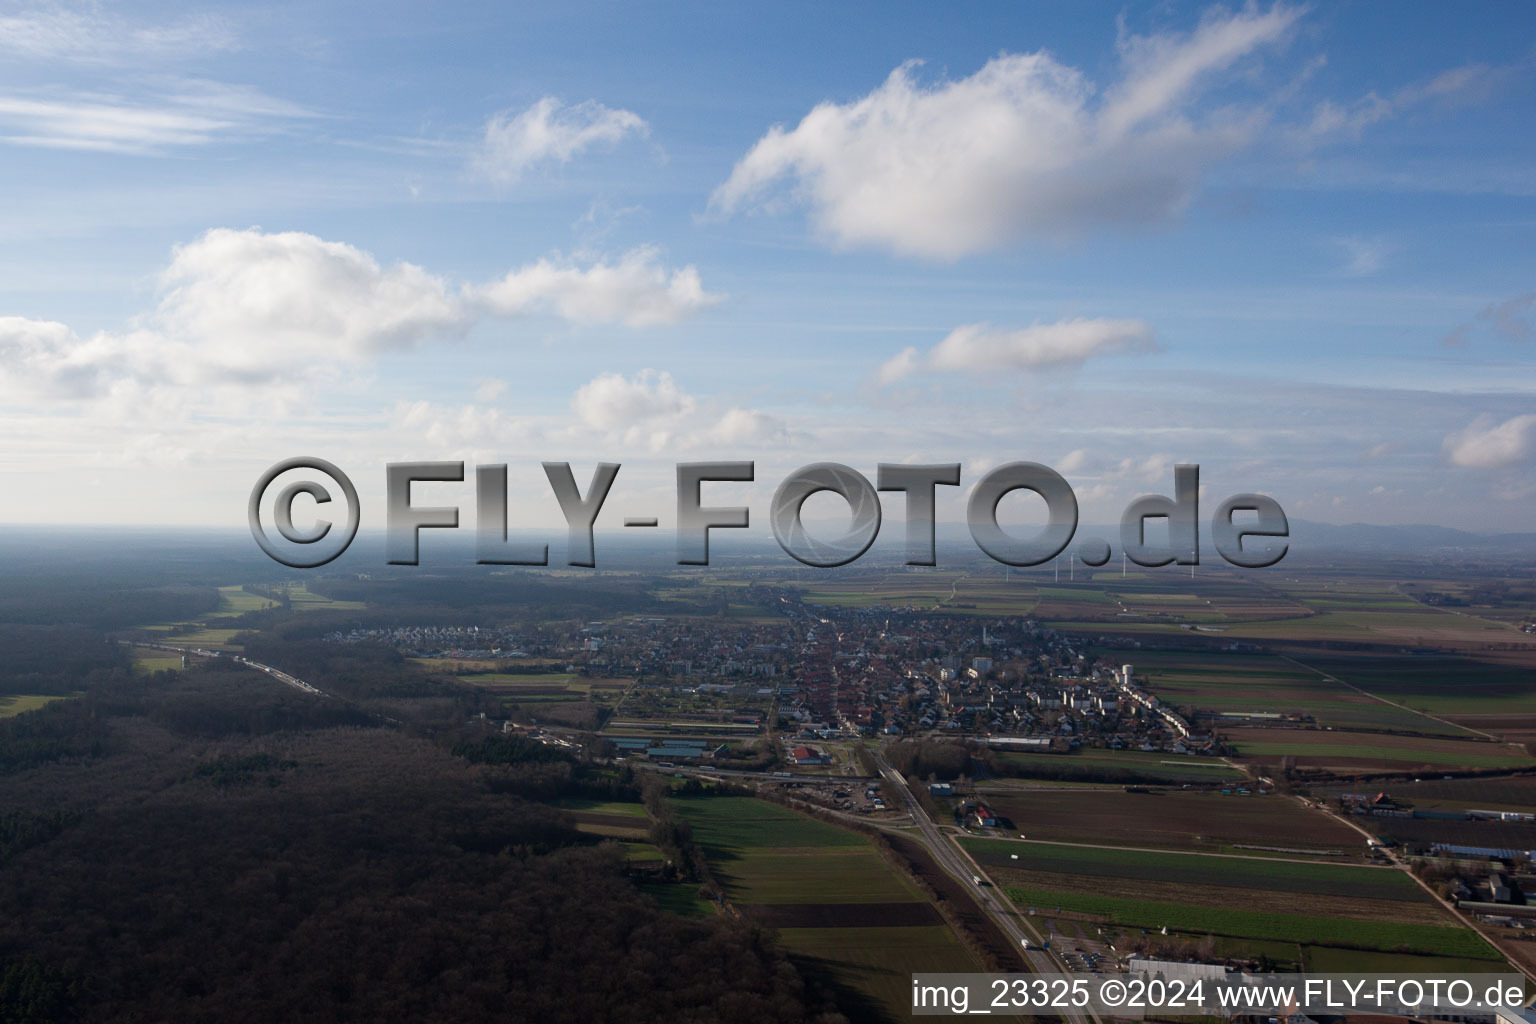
pixel 954 860
pixel 275 673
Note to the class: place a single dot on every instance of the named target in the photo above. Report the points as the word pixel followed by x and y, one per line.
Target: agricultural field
pixel 1351 917
pixel 1295 614
pixel 20 703
pixel 1344 881
pixel 1451 686
pixel 1313 930
pixel 146 661
pixel 1147 766
pixel 1345 752
pixel 680 898
pixel 192 634
pixel 841 910
pixel 1210 598
pixel 1214 683
pixel 234 600
pixel 611 819
pixel 530 688
pixel 300 598
pixel 950 591
pixel 1178 820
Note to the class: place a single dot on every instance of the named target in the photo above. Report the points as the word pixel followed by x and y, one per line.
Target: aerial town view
pixel 798 513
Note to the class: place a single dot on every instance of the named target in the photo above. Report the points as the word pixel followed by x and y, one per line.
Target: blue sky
pixel 1292 244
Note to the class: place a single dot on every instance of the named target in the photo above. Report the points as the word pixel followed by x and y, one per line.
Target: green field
pixel 1439 685
pixel 1150 766
pixel 1196 920
pixel 616 808
pixel 301 599
pixel 146 662
pixel 1216 682
pixel 1497 757
pixel 20 703
pixel 234 600
pixel 735 825
pixel 1200 869
pixel 535 687
pixel 679 898
pixel 825 888
pixel 945 591
pixel 203 637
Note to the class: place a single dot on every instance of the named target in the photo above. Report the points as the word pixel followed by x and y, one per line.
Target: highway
pixel 275 673
pixel 952 859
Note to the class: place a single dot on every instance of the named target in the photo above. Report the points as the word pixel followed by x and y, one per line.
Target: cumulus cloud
pixel 1022 147
pixel 47 359
pixel 550 132
pixel 476 432
pixel 1488 444
pixel 650 409
pixel 637 291
pixel 1148 470
pixel 255 304
pixel 983 348
pixel 1073 461
pixel 247 307
pixel 749 427
pixel 611 401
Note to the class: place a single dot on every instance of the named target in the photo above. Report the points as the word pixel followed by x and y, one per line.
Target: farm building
pixel 808 755
pixel 984 816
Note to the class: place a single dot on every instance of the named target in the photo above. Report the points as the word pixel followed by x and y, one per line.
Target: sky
pixel 1292 244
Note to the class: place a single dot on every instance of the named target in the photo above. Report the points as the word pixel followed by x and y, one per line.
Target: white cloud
pixel 902 364
pixel 748 427
pixel 1148 470
pixel 192 112
pixel 56 32
pixel 650 410
pixel 637 291
pixel 984 349
pixel 550 132
pixel 46 359
pixel 252 304
pixel 1486 444
pixel 1362 256
pixel 1073 461
pixel 1019 148
pixel 1335 120
pixel 243 308
pixel 490 389
pixel 612 401
pixel 473 432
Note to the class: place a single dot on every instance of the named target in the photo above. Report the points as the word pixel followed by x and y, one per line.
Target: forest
pixel 208 845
